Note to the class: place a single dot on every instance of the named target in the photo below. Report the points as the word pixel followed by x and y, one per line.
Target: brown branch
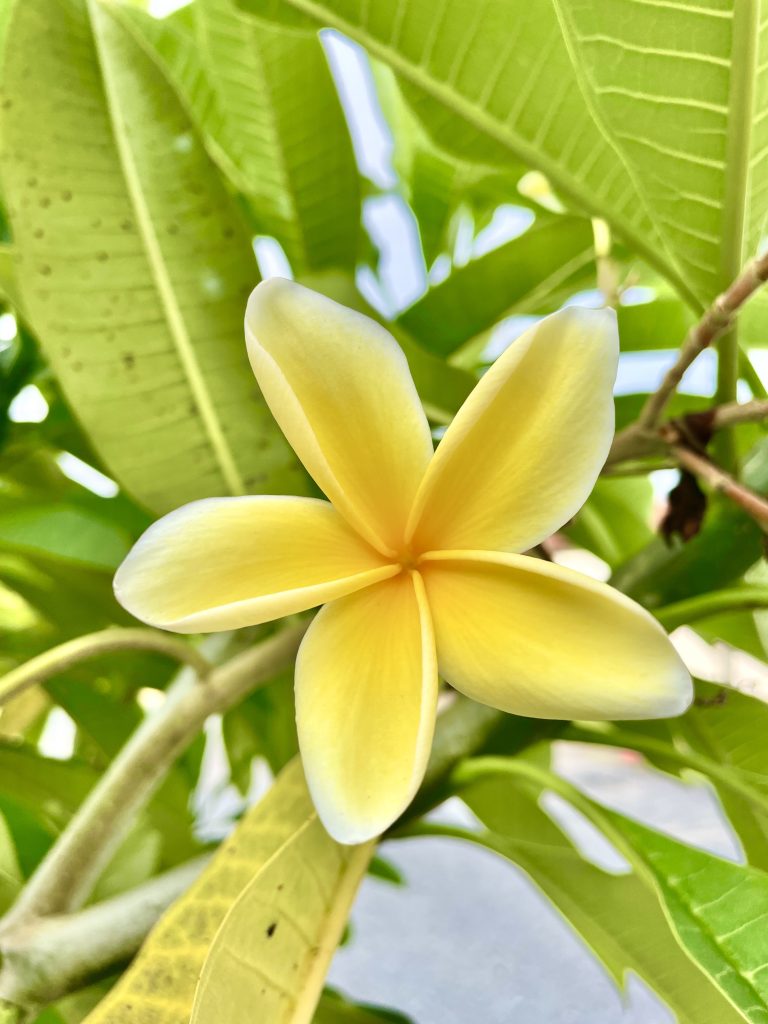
pixel 702 467
pixel 641 437
pixel 635 443
pixel 715 322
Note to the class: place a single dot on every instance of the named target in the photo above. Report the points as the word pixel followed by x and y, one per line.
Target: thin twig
pixel 68 873
pixel 715 322
pixel 60 658
pixel 734 413
pixel 633 443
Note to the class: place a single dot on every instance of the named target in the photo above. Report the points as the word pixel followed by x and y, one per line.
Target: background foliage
pixel 554 152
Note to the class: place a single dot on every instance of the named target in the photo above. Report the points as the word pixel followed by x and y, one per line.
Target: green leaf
pixel 618 916
pixel 730 727
pixel 263 725
pixel 521 276
pixel 265 102
pixel 160 984
pixel 270 956
pixel 138 859
pixel 438 184
pixel 718 910
pixel 10 872
pixel 386 871
pixel 63 532
pixel 615 521
pixel 646 326
pixel 335 1009
pixel 140 309
pixel 642 114
pixel 8 286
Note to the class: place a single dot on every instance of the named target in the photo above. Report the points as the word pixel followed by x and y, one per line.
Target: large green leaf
pixel 439 185
pixel 270 956
pixel 136 266
pixel 718 910
pixel 642 113
pixel 551 257
pixel 63 532
pixel 264 100
pixel 618 916
pixel 334 1009
pixel 160 984
pixel 730 728
pixel 615 522
pixel 662 323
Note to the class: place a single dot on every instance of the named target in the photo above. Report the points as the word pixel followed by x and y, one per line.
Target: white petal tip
pixel 680 696
pixel 350 833
pixel 271 290
pixel 671 699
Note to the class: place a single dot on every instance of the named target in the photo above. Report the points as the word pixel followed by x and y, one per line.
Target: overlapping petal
pixel 536 639
pixel 366 693
pixel 223 563
pixel 525 449
pixel 339 386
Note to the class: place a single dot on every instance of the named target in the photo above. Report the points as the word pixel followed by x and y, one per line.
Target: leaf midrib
pixel 173 314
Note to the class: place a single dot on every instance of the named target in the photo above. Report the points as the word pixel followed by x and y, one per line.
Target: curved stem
pixel 68 873
pixel 60 658
pixel 703 605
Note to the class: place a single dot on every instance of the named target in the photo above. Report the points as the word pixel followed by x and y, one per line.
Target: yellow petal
pixel 525 449
pixel 339 386
pixel 366 693
pixel 536 639
pixel 223 563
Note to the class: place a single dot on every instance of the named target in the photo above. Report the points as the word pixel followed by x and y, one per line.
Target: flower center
pixel 408 559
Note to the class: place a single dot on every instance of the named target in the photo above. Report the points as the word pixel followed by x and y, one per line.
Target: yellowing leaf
pixel 280 832
pixel 270 956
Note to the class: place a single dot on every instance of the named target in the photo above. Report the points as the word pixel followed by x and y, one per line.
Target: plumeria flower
pixel 416 555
